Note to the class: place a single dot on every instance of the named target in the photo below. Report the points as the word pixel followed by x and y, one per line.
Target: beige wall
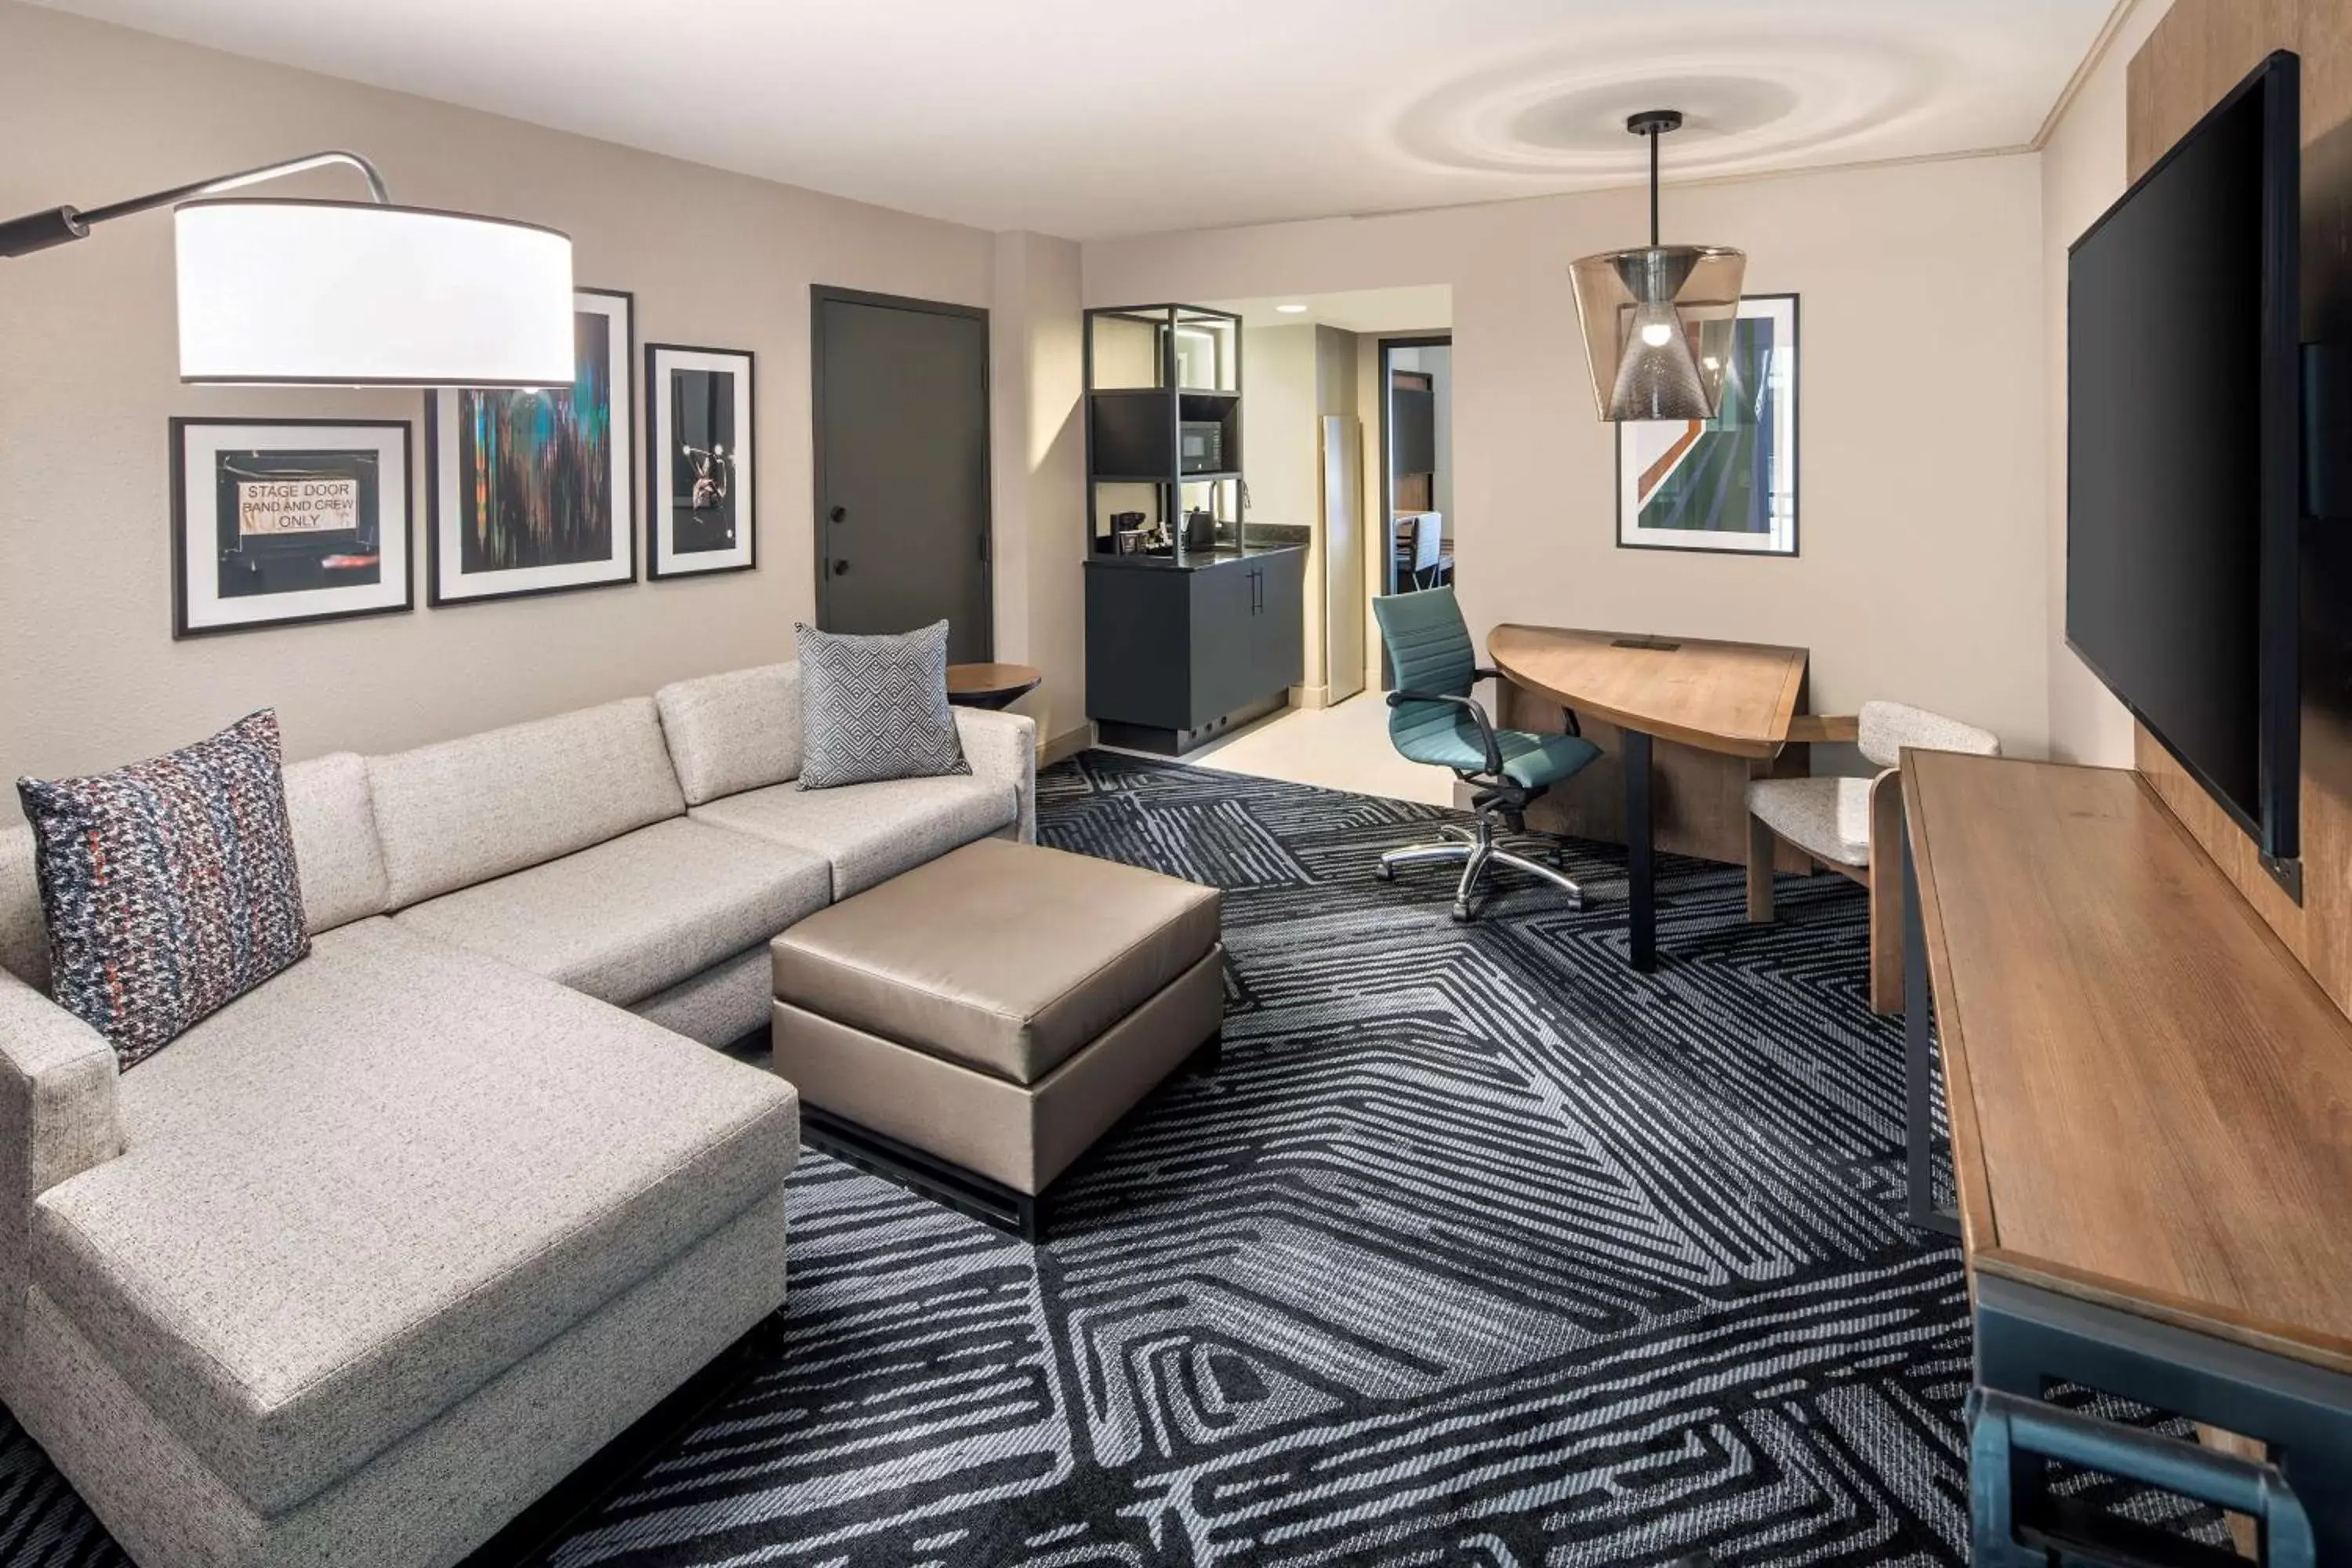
pixel 2083 173
pixel 89 675
pixel 1923 524
pixel 1038 476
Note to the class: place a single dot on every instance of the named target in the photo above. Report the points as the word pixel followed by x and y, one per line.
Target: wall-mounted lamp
pixel 1658 320
pixel 348 293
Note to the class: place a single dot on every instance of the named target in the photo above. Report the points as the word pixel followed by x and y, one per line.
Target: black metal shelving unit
pixel 1183 644
pixel 1135 425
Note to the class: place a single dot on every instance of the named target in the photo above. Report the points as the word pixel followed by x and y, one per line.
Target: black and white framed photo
pixel 699 515
pixel 531 491
pixel 1727 484
pixel 285 521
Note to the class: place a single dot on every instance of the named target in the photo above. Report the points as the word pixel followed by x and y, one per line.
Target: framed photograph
pixel 699 512
pixel 286 521
pixel 1729 483
pixel 531 491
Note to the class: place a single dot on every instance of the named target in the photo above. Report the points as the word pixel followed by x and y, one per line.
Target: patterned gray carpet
pixel 1481 1249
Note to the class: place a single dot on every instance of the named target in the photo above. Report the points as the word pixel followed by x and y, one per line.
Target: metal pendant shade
pixel 1658 320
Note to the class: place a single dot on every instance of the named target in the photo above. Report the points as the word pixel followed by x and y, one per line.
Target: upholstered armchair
pixel 1853 826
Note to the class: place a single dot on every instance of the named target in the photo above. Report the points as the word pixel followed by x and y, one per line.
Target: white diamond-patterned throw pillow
pixel 875 708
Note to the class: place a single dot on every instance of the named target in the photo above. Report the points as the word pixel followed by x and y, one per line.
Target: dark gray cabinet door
pixel 1224 656
pixel 1278 631
pixel 901 416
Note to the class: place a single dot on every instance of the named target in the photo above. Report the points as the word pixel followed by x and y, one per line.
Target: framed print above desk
pixel 1727 484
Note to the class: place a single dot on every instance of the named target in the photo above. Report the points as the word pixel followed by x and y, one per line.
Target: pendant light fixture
pixel 1658 320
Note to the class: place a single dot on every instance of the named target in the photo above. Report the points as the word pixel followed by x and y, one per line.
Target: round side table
pixel 991 685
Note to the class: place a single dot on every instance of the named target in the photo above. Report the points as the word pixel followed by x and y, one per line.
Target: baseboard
pixel 1311 696
pixel 1064 746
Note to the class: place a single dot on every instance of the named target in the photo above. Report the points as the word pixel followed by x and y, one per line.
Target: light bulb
pixel 1658 334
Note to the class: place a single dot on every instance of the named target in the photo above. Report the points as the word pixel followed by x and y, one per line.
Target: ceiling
pixel 1404 310
pixel 1096 118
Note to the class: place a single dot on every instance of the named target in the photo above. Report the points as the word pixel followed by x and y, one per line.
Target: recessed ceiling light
pixel 1292 310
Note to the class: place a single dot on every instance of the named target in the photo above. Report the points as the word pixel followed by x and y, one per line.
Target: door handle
pixel 841 568
pixel 839 514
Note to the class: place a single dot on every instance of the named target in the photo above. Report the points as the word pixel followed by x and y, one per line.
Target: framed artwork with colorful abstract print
pixel 530 491
pixel 286 521
pixel 699 499
pixel 1727 484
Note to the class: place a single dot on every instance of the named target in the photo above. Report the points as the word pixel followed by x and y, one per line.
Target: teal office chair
pixel 1434 719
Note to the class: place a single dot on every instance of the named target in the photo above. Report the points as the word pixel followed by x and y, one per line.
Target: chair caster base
pixel 1385 873
pixel 1462 914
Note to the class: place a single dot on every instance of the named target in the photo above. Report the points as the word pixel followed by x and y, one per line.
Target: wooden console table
pixel 1731 703
pixel 2151 1116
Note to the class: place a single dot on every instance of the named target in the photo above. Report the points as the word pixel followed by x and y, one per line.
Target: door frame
pixel 1384 520
pixel 819 296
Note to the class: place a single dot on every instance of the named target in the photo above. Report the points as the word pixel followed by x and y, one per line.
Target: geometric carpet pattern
pixel 1478 1249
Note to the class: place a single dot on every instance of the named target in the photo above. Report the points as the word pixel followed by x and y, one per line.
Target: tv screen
pixel 2182 416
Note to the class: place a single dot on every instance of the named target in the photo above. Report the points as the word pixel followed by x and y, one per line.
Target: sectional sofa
pixel 365 1262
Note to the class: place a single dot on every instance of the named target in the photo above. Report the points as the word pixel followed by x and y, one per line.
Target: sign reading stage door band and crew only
pixel 288 521
pixel 277 508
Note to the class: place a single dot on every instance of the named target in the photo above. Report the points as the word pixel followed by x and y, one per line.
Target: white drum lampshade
pixel 368 294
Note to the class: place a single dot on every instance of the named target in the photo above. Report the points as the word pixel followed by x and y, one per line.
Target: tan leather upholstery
pixel 1023 1135
pixel 1006 958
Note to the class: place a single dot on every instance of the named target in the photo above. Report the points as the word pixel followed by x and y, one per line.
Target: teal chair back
pixel 1430 651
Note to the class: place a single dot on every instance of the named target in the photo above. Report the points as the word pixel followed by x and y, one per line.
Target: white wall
pixel 89 675
pixel 2083 173
pixel 1922 520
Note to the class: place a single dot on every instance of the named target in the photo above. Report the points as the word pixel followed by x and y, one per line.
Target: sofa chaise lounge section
pixel 365 1262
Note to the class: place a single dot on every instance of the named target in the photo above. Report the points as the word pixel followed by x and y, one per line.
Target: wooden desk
pixel 2150 1106
pixel 1726 699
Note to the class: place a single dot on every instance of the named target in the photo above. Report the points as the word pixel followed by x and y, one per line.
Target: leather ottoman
pixel 973 1025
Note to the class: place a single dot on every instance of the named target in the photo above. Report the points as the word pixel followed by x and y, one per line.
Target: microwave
pixel 1200 447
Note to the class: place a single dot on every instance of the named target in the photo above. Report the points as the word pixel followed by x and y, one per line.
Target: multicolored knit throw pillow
pixel 169 886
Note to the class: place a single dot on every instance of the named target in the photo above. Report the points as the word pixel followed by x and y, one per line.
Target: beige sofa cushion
pixel 871 832
pixel 24 934
pixel 1004 957
pixel 471 809
pixel 353 1197
pixel 335 846
pixel 624 918
pixel 734 732
pixel 335 851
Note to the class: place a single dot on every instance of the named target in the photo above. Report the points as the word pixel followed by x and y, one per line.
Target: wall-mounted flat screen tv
pixel 2182 453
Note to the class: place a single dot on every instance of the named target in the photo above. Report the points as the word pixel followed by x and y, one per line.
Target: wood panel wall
pixel 2201 49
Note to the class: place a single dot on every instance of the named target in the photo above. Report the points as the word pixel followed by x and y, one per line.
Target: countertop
pixel 1195 560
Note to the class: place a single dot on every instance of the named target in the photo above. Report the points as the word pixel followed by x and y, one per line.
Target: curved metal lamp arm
pixel 60 226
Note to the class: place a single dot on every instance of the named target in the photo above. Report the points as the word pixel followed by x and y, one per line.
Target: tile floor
pixel 1342 747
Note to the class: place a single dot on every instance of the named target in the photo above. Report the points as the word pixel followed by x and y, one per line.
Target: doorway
pixel 900 408
pixel 1415 549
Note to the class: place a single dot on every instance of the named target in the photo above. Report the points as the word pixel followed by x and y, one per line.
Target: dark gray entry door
pixel 901 412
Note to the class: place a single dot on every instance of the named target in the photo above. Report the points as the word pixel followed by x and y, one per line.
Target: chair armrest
pixel 1477 715
pixel 1002 746
pixel 57 1119
pixel 1823 727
